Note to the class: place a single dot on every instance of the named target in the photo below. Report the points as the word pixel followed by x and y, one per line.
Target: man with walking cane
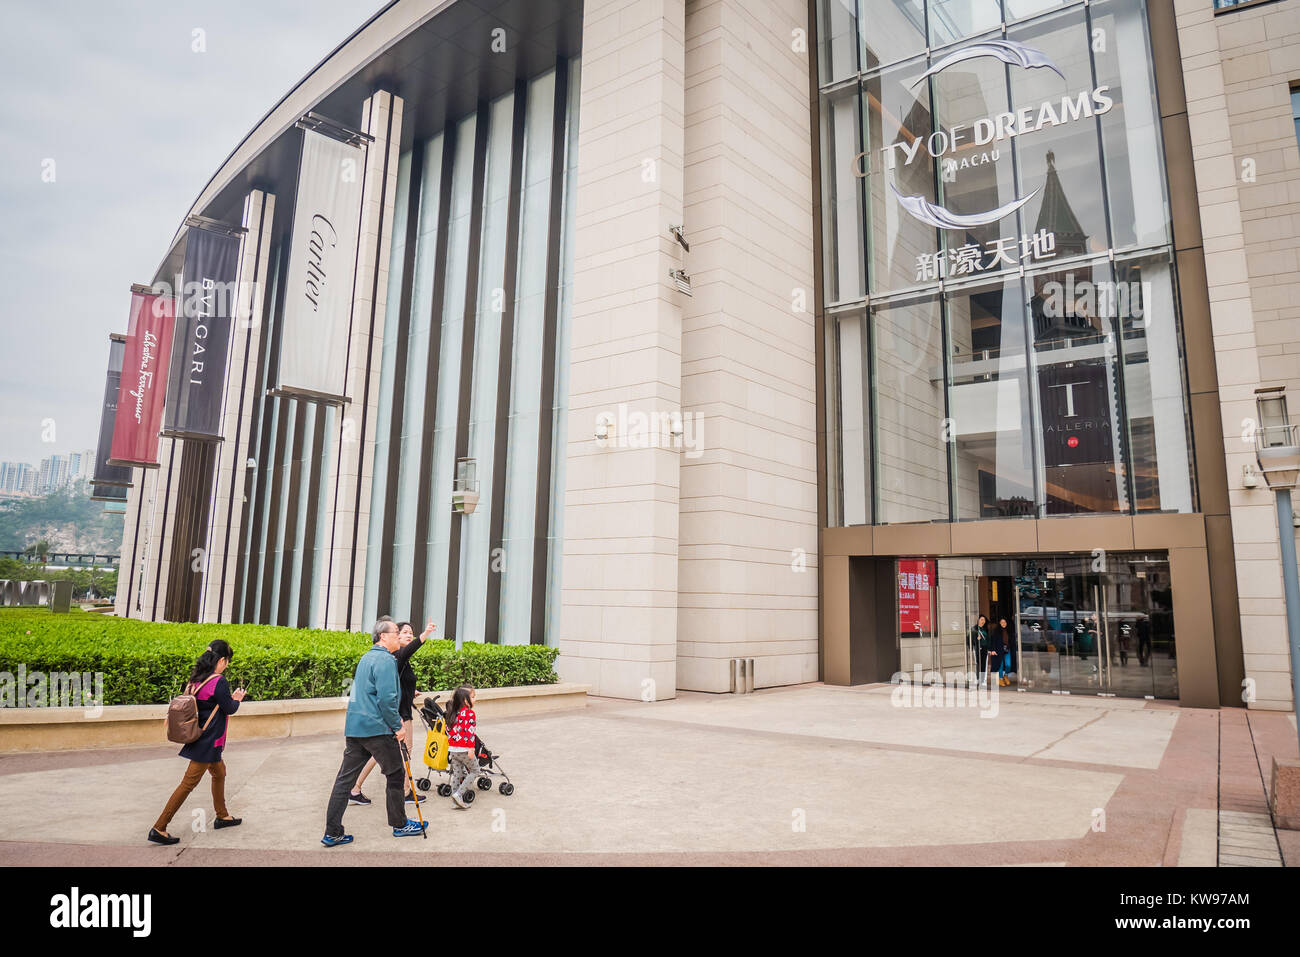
pixel 373 729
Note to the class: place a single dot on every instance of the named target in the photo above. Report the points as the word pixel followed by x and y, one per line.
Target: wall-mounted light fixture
pixel 680 280
pixel 1249 478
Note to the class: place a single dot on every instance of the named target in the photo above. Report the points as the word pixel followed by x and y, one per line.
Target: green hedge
pixel 147 662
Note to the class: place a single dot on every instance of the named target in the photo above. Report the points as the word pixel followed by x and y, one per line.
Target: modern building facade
pixel 724 342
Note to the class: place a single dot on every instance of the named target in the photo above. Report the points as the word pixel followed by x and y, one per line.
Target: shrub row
pixel 148 662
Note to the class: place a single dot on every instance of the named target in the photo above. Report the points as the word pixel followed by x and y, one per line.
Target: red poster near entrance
pixel 144 380
pixel 915 598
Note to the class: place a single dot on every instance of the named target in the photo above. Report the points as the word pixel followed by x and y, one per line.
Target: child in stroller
pixel 437 720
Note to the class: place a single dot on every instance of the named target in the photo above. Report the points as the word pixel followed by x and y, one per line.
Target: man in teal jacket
pixel 372 729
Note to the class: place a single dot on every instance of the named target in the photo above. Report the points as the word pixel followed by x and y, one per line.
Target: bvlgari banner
pixel 105 474
pixel 322 269
pixel 144 380
pixel 201 342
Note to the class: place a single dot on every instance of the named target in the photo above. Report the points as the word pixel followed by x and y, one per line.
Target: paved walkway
pixel 811 774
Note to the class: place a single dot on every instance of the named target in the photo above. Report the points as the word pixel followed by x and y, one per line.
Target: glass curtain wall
pixel 516 565
pixel 1002 330
pixel 475 530
pixel 438 372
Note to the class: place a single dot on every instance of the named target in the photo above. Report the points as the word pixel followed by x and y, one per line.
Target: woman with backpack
pixel 215 703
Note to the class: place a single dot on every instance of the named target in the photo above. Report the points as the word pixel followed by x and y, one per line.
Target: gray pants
pixel 464 770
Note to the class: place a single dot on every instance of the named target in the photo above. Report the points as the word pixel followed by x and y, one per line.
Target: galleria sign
pixel 986 131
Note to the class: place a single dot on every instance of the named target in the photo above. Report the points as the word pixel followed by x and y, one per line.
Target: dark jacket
pixel 998 640
pixel 979 637
pixel 207 749
pixel 406 677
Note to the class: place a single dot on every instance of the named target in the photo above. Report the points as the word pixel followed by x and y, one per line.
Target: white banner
pixel 322 267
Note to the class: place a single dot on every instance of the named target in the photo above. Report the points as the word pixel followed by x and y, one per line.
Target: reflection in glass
pixel 892 30
pixel 844 232
pixel 851 401
pixel 1068 149
pixel 989 398
pixel 1080 427
pixel 1154 392
pixel 911 452
pixel 837 33
pixel 956 19
pixel 974 177
pixel 1020 9
pixel 898 123
pixel 1130 131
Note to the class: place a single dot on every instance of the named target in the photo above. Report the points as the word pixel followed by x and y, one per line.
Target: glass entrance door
pixel 1078 622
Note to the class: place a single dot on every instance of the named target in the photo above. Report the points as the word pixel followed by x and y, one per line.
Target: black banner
pixel 105 474
pixel 1076 415
pixel 108 493
pixel 200 346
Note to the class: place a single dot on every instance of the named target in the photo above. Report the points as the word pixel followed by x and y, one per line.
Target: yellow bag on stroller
pixel 436 746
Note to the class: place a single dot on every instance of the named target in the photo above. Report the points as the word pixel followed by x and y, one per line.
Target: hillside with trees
pixel 66 520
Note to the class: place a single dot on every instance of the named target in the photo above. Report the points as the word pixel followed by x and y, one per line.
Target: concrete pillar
pixel 225 529
pixel 122 605
pixel 349 470
pixel 618 626
pixel 747 552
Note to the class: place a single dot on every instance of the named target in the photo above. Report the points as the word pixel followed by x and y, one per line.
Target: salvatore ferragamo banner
pixel 200 346
pixel 322 270
pixel 144 380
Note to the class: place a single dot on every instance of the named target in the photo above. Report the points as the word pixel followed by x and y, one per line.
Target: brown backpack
pixel 183 716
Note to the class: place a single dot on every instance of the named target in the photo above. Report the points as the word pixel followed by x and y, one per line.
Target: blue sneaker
pixel 329 841
pixel 412 829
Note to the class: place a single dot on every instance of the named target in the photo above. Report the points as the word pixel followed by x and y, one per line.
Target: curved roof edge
pixel 389 25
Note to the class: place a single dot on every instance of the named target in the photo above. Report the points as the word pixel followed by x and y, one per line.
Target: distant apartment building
pixel 55 472
pixel 17 478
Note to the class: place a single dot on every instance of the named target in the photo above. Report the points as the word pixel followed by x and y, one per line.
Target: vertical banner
pixel 105 474
pixel 201 343
pixel 108 493
pixel 144 380
pixel 915 582
pixel 1076 415
pixel 322 270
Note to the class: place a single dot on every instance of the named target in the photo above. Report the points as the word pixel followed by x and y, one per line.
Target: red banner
pixel 916 581
pixel 144 380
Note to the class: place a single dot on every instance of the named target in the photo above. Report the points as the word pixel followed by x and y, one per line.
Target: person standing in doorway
pixel 1008 656
pixel 979 643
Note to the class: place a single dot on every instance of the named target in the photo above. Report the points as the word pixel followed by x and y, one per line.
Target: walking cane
pixel 406 761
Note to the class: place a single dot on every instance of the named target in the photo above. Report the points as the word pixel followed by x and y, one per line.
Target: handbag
pixel 437 746
pixel 183 715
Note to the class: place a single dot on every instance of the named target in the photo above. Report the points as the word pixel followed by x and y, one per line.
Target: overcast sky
pixel 135 122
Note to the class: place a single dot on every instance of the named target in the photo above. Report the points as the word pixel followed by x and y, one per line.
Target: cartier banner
pixel 322 269
pixel 105 474
pixel 144 380
pixel 201 342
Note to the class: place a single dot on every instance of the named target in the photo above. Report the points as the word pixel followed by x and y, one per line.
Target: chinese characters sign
pixel 974 258
pixel 915 587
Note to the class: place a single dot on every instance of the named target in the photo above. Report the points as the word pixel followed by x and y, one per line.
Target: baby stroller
pixel 437 720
